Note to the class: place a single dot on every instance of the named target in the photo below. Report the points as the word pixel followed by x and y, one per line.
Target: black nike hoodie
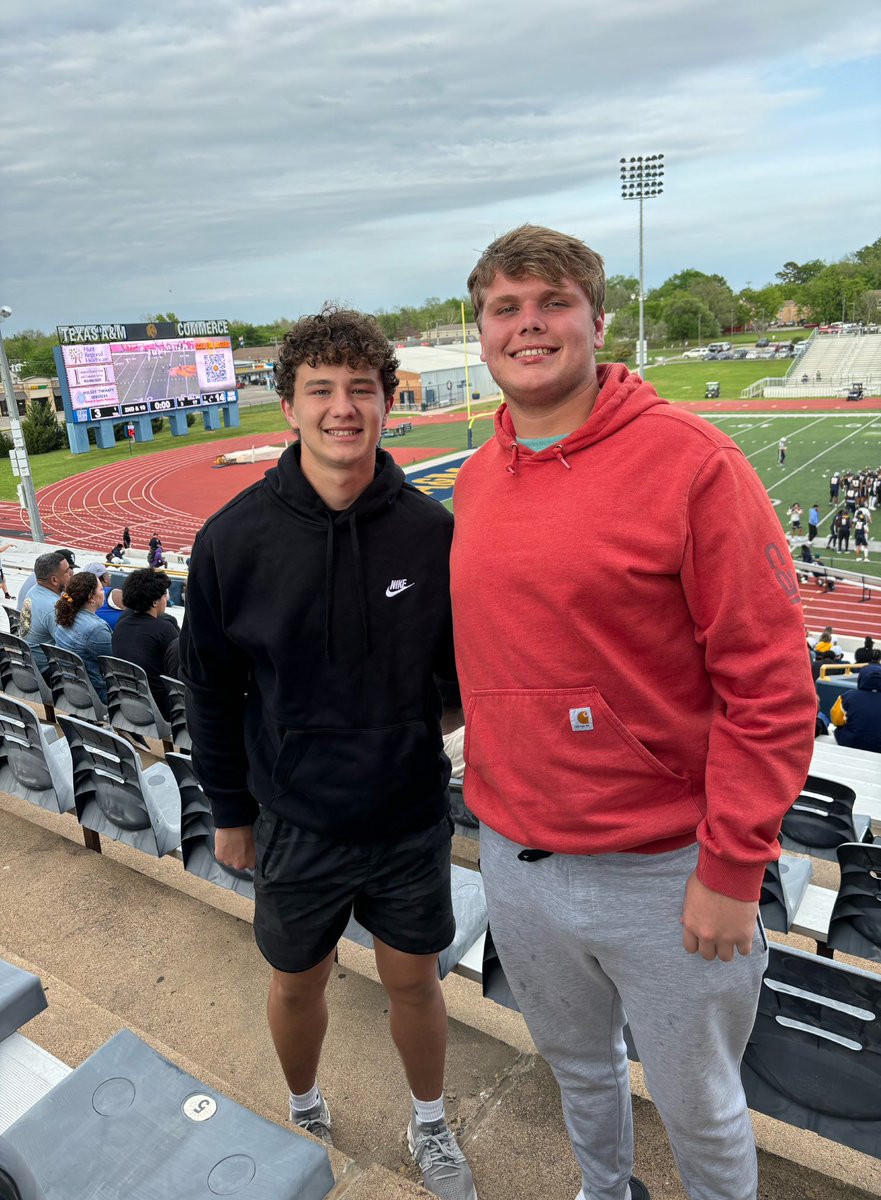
pixel 309 647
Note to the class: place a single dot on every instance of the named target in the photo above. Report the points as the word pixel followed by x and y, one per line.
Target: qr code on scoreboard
pixel 216 368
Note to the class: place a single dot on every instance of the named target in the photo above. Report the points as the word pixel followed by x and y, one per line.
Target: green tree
pixel 797 274
pixel 620 290
pixel 41 430
pixel 836 293
pixel 687 316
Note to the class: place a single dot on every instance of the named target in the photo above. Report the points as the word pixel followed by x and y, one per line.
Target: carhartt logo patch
pixel 581 719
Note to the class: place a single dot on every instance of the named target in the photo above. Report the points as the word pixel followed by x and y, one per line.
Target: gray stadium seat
pixel 127 1123
pixel 72 690
pixel 469 907
pixel 180 735
pixel 17 1180
pixel 35 762
pixel 130 704
pixel 116 796
pixel 20 676
pixel 822 819
pixel 855 923
pixel 14 615
pixel 21 998
pixel 814 1055
pixel 783 889
pixel 197 832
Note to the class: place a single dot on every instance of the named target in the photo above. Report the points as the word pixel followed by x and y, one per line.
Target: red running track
pixel 171 494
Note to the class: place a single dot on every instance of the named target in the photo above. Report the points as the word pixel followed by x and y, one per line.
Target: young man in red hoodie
pixel 640 715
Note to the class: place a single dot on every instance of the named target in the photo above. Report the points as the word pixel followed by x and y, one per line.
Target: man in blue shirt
pixel 37 623
pixel 813 521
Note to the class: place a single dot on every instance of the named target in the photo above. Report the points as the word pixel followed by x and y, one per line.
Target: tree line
pixel 689 305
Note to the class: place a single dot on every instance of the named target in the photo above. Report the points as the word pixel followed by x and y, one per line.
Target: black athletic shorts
pixel 307 886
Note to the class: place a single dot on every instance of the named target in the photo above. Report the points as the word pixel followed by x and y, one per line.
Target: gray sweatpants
pixel 585 938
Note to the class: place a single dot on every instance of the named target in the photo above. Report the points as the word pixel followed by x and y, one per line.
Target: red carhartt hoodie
pixel 630 641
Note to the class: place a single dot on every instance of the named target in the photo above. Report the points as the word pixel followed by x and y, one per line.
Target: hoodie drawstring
pixel 558 454
pixel 512 461
pixel 328 585
pixel 359 580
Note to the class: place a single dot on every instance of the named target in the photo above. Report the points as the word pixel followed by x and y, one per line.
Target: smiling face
pixel 539 341
pixel 339 412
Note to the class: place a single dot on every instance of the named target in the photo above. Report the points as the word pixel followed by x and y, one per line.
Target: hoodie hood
pixel 869 678
pixel 290 489
pixel 622 397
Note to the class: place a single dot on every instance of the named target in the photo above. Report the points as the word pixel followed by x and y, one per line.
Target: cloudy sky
pixel 249 160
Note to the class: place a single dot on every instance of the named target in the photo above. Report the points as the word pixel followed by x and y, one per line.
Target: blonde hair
pixel 533 251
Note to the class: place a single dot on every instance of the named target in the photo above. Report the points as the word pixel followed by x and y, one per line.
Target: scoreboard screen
pixel 112 380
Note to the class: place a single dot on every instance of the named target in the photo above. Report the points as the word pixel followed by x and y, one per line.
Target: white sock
pixel 428 1111
pixel 310 1099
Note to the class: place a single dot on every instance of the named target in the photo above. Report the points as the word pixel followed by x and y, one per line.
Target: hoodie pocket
pixel 340 767
pixel 561 758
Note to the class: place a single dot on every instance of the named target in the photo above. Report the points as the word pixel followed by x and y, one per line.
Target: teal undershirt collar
pixel 537 444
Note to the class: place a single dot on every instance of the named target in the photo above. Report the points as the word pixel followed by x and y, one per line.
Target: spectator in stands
pixel 318 716
pixel 629 785
pixel 52 573
pixel 78 628
pixel 116 554
pixel 813 521
pixel 32 578
pixel 145 634
pixel 156 555
pixel 111 608
pixel 826 647
pixel 867 652
pixel 856 714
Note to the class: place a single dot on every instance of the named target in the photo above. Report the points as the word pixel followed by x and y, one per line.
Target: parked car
pixel 741 353
pixel 762 342
pixel 697 352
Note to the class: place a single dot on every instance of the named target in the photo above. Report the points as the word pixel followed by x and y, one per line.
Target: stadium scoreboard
pixel 118 371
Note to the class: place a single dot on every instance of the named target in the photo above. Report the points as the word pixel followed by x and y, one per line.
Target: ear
pixel 482 351
pixel 599 330
pixel 287 407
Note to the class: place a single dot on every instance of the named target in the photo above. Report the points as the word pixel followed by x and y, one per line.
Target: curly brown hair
pixel 535 251
pixel 75 597
pixel 335 337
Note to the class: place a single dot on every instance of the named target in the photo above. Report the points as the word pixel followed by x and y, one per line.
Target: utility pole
pixel 18 455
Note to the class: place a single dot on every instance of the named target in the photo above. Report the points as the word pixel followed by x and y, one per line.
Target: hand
pixel 714 925
pixel 235 847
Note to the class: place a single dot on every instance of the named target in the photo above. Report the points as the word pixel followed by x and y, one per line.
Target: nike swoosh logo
pixel 396 591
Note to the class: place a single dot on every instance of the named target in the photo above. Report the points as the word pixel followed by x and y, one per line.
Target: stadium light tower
pixel 19 454
pixel 641 178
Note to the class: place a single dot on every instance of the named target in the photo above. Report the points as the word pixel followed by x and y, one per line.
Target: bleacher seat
pixel 822 819
pixel 17 1181
pixel 130 1125
pixel 855 923
pixel 814 1055
pixel 469 908
pixel 180 735
pixel 21 998
pixel 14 615
pixel 197 832
pixel 72 690
pixel 783 889
pixel 35 763
pixel 130 704
pixel 20 676
pixel 116 796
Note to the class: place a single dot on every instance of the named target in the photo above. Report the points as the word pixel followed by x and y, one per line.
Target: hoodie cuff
pixel 233 812
pixel 740 881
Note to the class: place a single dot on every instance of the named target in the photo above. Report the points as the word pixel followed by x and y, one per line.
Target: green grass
pixel 819 444
pixel 686 381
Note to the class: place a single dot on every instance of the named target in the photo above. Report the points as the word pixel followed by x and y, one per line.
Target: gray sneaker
pixel 315 1121
pixel 445 1171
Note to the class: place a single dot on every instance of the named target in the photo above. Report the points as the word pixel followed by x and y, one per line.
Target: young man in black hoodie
pixel 318 615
